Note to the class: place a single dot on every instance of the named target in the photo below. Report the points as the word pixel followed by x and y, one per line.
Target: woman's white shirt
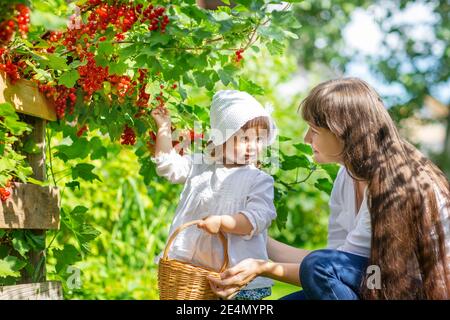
pixel 349 230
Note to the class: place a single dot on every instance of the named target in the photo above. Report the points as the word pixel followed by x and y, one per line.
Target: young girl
pixel 224 187
pixel 389 227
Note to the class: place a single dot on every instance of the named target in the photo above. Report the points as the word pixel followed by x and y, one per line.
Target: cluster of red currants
pixel 128 136
pixel 7 30
pixel 4 192
pixel 123 85
pixel 11 70
pixel 143 96
pixel 61 96
pixel 23 19
pixel 20 21
pixel 121 16
pixel 92 76
pixel 238 54
pixel 156 17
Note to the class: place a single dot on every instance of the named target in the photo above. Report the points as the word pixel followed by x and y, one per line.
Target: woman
pixel 388 234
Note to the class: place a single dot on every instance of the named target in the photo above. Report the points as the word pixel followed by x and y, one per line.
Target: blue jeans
pixel 330 275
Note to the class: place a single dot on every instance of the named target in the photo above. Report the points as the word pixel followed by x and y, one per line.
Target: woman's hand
pixel 162 117
pixel 233 279
pixel 211 224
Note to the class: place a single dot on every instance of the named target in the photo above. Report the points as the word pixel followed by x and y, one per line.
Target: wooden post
pixel 37 163
pixel 21 211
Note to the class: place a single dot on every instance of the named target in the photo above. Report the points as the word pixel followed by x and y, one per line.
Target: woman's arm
pixel 285 267
pixel 281 252
pixel 233 279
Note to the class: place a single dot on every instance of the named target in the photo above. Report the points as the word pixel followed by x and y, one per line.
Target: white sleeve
pixel 260 209
pixel 336 232
pixel 173 167
pixel 359 239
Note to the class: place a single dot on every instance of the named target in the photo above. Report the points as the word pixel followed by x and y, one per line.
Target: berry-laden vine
pixel 107 67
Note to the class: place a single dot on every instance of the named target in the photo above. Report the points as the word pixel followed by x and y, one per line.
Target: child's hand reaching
pixel 211 224
pixel 161 116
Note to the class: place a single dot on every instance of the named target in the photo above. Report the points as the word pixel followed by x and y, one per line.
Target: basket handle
pixel 194 222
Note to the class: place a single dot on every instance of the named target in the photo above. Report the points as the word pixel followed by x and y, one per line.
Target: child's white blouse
pixel 350 231
pixel 212 189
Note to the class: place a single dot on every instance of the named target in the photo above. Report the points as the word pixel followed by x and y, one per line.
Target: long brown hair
pixel 408 240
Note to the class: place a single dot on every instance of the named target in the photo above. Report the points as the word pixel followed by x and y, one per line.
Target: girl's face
pixel 245 146
pixel 326 146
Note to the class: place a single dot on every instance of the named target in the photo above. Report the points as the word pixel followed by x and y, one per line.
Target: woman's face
pixel 326 146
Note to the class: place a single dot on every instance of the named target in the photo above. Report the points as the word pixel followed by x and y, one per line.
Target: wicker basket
pixel 179 280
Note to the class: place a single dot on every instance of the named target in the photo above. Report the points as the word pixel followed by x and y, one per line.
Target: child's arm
pixel 236 224
pixel 169 164
pixel 254 218
pixel 164 134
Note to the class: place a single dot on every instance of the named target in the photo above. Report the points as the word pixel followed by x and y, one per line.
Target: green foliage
pixel 12 163
pixel 420 69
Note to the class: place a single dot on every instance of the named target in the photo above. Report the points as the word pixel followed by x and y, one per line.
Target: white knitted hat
pixel 231 110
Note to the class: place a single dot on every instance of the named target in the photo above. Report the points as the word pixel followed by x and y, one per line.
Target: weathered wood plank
pixel 50 290
pixel 31 207
pixel 37 163
pixel 26 98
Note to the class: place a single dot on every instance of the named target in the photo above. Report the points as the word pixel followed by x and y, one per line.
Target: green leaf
pixel 201 78
pixel 282 214
pixel 290 34
pixel 148 170
pixel 275 47
pixel 250 87
pixel 56 62
pixel 331 169
pixel 75 222
pixel 79 211
pixel 10 266
pixel 86 234
pixel 118 67
pixel 21 246
pixel 66 257
pixel 31 147
pixel 73 184
pixel 78 149
pixel 226 74
pixel 324 184
pixel 283 138
pixel 69 78
pixel 105 48
pixel 296 161
pixel 36 241
pixel 7 110
pixel 304 148
pixel 98 150
pixel 84 171
pixel 285 19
